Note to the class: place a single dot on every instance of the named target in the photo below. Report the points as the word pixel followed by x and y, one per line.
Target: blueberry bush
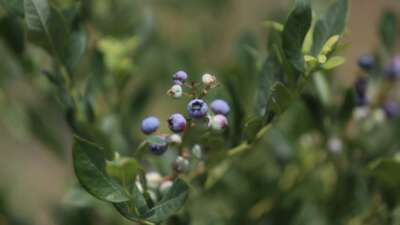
pixel 159 136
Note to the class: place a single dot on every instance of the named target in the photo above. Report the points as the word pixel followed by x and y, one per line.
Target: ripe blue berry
pixel 391 109
pixel 177 123
pixel 159 149
pixel 197 108
pixel 150 125
pixel 220 107
pixel 180 77
pixel 366 62
pixel 392 71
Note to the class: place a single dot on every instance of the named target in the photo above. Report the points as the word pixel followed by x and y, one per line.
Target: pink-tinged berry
pixel 218 122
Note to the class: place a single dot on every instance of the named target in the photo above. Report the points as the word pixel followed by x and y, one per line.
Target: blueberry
pixel 391 109
pixel 220 107
pixel 159 149
pixel 150 125
pixel 392 71
pixel 177 123
pixel 366 62
pixel 361 86
pixel 180 76
pixel 197 108
pixel 218 122
pixel 361 100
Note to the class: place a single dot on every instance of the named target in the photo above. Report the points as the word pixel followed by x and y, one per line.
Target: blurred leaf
pixel 76 48
pixel 345 111
pixel 13 33
pixel 295 31
pixel 269 74
pixel 44 131
pixel 46 27
pixel 280 99
pixel 15 7
pixel 89 164
pixel 386 171
pixel 388 30
pixel 252 127
pixel 274 25
pixel 330 24
pixel 170 204
pixel 322 87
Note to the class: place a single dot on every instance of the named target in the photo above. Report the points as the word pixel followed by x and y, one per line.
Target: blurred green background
pixel 199 35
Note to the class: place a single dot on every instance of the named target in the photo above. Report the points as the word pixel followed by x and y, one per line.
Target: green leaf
pixel 12 31
pixel 15 7
pixel 322 87
pixel 156 140
pixel 388 30
pixel 48 29
pixel 252 127
pixel 269 74
pixel 386 171
pixel 330 24
pixel 123 168
pixel 170 204
pixel 333 62
pixel 137 210
pixel 280 99
pixel 273 25
pixel 46 26
pixel 294 33
pixel 77 42
pixel 89 163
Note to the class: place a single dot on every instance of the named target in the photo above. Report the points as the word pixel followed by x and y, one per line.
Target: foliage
pixel 100 80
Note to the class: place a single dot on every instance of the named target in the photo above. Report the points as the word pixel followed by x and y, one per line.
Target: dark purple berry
pixel 361 100
pixel 159 148
pixel 391 109
pixel 197 108
pixel 177 123
pixel 366 62
pixel 361 86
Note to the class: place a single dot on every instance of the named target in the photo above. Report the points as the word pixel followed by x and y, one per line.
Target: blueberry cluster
pixel 391 73
pixel 214 115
